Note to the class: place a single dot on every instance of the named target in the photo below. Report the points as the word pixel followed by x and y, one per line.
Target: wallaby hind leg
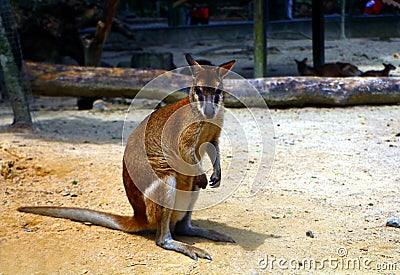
pixel 164 239
pixel 185 228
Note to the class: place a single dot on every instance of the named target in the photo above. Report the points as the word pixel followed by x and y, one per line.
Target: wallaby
pixel 337 69
pixel 304 69
pixel 384 72
pixel 162 172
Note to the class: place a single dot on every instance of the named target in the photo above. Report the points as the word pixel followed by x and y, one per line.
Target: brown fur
pixel 152 185
pixel 384 72
pixel 337 69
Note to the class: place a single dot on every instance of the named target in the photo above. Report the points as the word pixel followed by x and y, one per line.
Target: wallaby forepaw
pixel 201 181
pixel 215 181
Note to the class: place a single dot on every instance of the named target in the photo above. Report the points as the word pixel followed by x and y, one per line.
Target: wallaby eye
pixel 217 98
pixel 198 90
pixel 199 93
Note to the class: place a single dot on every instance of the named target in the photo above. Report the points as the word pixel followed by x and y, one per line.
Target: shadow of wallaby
pixel 247 239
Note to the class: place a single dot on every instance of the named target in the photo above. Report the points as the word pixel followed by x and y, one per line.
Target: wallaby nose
pixel 209 110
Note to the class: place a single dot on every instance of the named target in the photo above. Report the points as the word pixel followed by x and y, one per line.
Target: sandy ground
pixel 367 54
pixel 335 173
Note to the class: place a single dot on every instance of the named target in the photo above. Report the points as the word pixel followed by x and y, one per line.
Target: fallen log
pixel 319 91
pixel 75 81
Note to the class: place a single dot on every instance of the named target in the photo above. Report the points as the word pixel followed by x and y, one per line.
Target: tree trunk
pixel 74 81
pixel 13 79
pixel 343 19
pixel 318 33
pixel 260 38
pixel 93 46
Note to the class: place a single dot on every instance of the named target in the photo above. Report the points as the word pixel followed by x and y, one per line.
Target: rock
pixel 100 105
pixel 393 222
pixel 310 234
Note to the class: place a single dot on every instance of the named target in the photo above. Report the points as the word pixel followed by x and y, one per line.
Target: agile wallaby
pixel 337 69
pixel 162 172
pixel 384 72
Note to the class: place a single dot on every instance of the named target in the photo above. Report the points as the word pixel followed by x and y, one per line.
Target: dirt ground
pixel 367 54
pixel 335 175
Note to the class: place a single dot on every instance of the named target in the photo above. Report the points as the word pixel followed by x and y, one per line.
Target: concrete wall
pixel 360 26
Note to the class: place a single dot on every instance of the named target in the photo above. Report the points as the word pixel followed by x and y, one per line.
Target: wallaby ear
pixel 298 62
pixel 195 67
pixel 190 60
pixel 226 68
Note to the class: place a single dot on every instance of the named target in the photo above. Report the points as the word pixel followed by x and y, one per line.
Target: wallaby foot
pixel 186 249
pixel 194 231
pixel 164 239
pixel 185 228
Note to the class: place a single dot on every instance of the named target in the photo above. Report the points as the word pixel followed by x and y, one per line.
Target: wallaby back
pixel 384 72
pixel 338 69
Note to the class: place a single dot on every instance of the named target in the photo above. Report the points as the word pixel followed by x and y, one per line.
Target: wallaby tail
pixel 122 223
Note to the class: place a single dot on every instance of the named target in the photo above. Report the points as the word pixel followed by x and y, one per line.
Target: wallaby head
pixel 206 93
pixel 304 69
pixel 303 62
pixel 389 66
pixel 384 72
